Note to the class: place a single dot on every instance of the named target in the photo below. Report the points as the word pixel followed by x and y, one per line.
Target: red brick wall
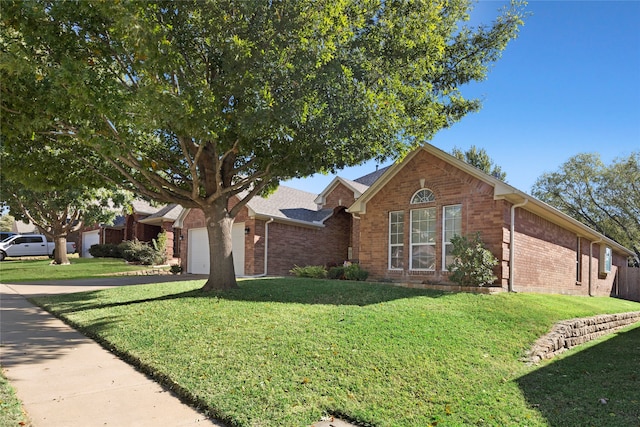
pixel 293 245
pixel 450 186
pixel 289 245
pixel 114 236
pixel 546 260
pixel 545 256
pixel 339 196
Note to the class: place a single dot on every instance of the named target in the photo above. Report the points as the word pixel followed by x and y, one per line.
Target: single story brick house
pixel 144 223
pixel 398 221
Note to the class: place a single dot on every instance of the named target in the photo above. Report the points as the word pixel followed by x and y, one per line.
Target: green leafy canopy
pixel 203 102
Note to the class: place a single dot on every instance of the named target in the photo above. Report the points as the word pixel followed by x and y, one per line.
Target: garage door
pixel 89 238
pixel 198 255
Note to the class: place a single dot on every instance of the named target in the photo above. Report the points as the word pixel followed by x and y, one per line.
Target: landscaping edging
pixel 570 333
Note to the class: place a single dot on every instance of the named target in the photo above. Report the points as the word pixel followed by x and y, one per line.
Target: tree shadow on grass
pixel 598 386
pixel 283 290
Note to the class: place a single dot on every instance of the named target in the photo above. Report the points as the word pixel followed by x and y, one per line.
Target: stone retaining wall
pixel 570 333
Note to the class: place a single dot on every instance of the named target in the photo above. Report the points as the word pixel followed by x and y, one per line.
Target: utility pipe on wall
pixel 590 261
pixel 266 244
pixel 512 241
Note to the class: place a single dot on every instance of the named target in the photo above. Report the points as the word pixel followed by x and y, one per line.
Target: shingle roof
pixel 289 203
pixel 369 179
pixel 168 212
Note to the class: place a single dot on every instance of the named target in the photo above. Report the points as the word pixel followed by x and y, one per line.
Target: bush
pixel 107 250
pixel 336 273
pixel 139 252
pixel 348 272
pixel 473 264
pixel 354 272
pixel 312 271
pixel 159 244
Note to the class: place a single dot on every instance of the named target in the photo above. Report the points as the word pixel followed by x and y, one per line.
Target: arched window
pixel 423 196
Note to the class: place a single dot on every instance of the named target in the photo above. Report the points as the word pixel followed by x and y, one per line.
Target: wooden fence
pixel 629 283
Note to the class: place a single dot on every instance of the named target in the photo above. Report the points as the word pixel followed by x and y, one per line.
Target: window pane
pixel 423 196
pixel 397 257
pixel 452 222
pixel 448 257
pixel 423 226
pixel 423 257
pixel 396 239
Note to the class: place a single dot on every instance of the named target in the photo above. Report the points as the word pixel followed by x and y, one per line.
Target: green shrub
pixel 139 252
pixel 175 269
pixel 355 272
pixel 336 273
pixel 107 250
pixel 160 244
pixel 473 263
pixel 311 271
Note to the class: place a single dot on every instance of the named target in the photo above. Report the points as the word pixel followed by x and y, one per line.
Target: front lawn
pixel 288 351
pixel 11 413
pixel 29 270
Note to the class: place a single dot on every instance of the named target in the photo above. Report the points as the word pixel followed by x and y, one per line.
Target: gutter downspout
pixel 512 241
pixel 590 262
pixel 266 245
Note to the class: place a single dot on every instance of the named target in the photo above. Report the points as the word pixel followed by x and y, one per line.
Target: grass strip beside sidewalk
pixel 288 351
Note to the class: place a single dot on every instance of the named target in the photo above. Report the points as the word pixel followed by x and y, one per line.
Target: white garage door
pixel 89 238
pixel 198 262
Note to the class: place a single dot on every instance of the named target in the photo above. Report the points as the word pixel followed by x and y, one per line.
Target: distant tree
pixel 606 198
pixel 480 159
pixel 210 103
pixel 53 188
pixel 6 222
pixel 59 212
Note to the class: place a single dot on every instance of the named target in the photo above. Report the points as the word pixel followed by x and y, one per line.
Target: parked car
pixel 6 235
pixel 30 245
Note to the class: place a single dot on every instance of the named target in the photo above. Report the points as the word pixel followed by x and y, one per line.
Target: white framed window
pixel 451 226
pixel 396 240
pixel 423 239
pixel 423 195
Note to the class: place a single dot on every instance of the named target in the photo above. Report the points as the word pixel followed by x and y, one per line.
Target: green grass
pixel 288 351
pixel 11 413
pixel 28 270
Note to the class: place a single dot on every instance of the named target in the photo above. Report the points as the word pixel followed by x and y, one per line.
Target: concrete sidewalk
pixel 65 379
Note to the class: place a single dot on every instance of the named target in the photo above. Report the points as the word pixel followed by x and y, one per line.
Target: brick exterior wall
pixel 289 245
pixel 339 196
pixel 450 186
pixel 547 260
pixel 292 245
pixel 343 197
pixel 546 255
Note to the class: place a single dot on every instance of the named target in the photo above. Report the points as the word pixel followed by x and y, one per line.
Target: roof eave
pixel 298 222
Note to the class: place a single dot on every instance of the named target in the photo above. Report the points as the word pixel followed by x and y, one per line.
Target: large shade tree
pixel 604 197
pixel 209 103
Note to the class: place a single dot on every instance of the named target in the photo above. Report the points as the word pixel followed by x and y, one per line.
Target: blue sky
pixel 569 84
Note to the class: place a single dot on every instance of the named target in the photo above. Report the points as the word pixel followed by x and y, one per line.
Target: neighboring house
pixel 397 223
pixel 144 223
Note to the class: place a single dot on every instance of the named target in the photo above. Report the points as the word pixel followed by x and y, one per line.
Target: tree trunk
pixel 60 251
pixel 219 225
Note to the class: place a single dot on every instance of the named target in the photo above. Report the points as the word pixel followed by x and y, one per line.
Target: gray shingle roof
pixel 369 179
pixel 289 203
